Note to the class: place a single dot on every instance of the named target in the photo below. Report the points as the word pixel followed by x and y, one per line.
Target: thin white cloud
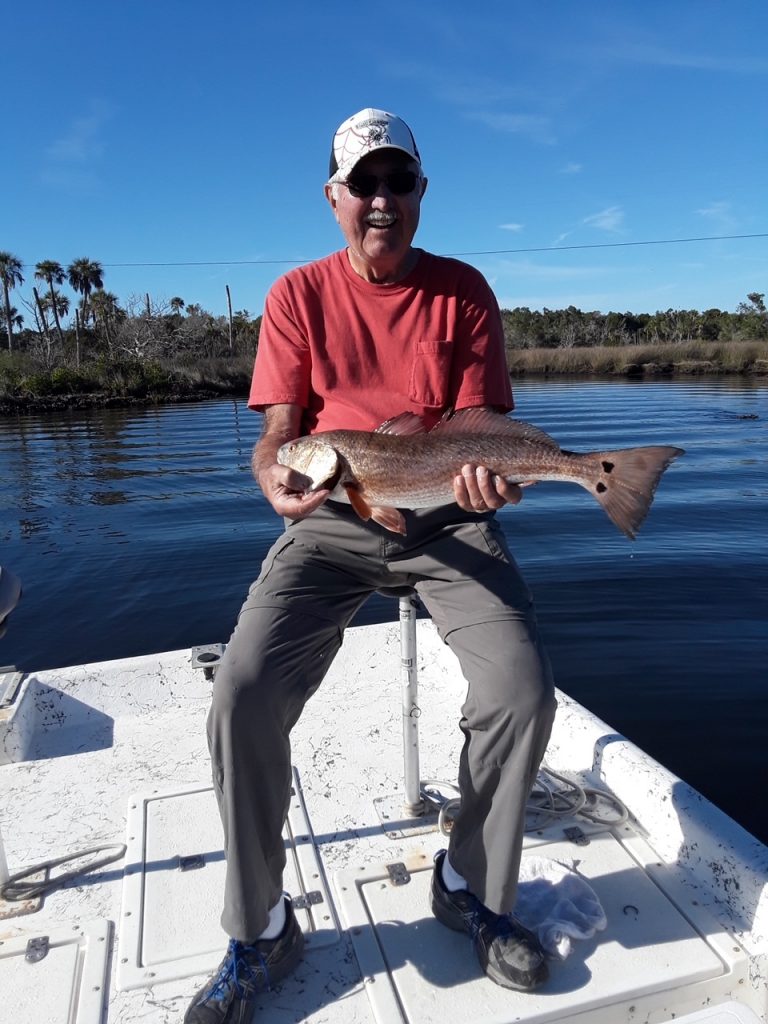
pixel 531 125
pixel 479 96
pixel 81 142
pixel 609 219
pixel 720 214
pixel 461 88
pixel 571 168
pixel 659 56
pixel 71 161
pixel 511 227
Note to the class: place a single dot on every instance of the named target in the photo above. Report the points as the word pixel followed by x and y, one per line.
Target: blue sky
pixel 182 132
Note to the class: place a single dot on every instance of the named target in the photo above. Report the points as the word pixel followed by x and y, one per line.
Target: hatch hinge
pixel 191 862
pixel 307 900
pixel 575 835
pixel 398 873
pixel 10 680
pixel 37 949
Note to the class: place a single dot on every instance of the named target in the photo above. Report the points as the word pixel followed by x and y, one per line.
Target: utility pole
pixel 229 306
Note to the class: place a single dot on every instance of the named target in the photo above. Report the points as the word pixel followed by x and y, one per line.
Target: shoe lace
pixel 502 926
pixel 237 969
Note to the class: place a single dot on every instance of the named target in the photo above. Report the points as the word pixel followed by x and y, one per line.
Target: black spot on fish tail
pixel 627 482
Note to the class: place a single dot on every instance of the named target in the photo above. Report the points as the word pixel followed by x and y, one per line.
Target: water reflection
pixel 158 530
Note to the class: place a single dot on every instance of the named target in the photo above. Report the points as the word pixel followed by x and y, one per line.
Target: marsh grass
pixel 26 384
pixel 689 357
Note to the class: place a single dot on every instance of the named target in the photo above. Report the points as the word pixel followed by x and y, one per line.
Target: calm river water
pixel 139 530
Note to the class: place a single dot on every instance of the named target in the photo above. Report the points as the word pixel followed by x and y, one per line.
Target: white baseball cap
pixel 364 132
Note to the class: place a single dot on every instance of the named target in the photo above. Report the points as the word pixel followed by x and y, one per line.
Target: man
pixel 374 330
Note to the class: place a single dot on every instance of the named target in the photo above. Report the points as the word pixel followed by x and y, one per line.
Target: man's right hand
pixel 287 491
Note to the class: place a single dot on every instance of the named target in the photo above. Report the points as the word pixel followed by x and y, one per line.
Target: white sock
pixel 452 880
pixel 276 921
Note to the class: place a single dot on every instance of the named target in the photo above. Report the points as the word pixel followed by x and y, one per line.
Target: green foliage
pixel 574 328
pixel 134 377
pixel 140 354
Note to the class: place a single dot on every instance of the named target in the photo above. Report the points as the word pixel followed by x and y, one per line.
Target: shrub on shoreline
pixel 25 386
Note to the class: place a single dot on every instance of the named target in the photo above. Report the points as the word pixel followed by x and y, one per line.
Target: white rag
pixel 557 904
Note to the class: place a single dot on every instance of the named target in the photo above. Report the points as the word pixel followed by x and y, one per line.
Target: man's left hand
pixel 479 490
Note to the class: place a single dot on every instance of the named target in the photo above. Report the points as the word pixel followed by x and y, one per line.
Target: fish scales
pixel 418 472
pixel 401 465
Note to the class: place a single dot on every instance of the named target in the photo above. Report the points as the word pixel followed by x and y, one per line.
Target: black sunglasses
pixel 399 183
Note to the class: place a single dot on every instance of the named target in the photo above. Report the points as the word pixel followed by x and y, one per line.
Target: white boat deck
pixel 116 753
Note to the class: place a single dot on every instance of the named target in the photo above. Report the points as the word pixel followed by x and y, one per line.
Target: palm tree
pixel 59 306
pixel 11 276
pixel 177 304
pixel 52 273
pixel 84 275
pixel 17 318
pixel 105 312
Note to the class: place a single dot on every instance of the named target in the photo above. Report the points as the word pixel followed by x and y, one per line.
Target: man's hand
pixel 286 491
pixel 479 490
pixel 284 488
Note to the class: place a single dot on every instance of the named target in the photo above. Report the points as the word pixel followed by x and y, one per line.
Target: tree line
pixel 572 327
pixel 142 329
pixel 100 326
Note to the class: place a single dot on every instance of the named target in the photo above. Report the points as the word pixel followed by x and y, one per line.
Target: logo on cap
pixel 365 132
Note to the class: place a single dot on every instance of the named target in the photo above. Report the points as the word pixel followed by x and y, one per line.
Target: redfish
pixel 403 465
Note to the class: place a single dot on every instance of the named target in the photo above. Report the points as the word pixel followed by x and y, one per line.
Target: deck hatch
pixel 649 956
pixel 174 885
pixel 66 985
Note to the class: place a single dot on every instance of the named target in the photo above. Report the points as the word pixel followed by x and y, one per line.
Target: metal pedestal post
pixel 409 691
pixel 409 812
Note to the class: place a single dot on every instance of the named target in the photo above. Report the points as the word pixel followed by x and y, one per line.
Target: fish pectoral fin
pixel 358 502
pixel 391 519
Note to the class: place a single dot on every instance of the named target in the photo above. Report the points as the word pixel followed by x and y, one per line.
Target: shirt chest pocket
pixel 431 373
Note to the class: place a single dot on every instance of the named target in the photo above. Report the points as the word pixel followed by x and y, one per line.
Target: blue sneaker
pixel 509 953
pixel 247 970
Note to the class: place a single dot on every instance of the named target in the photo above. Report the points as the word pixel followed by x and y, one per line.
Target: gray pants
pixel 313 580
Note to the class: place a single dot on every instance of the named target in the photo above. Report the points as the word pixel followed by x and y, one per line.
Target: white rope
pixel 548 802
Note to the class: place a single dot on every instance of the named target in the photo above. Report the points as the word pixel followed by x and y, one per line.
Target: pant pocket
pixel 281 545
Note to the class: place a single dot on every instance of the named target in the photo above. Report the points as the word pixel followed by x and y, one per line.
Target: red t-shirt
pixel 354 354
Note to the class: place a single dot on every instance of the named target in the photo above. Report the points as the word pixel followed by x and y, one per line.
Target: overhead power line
pixel 476 252
pixel 605 245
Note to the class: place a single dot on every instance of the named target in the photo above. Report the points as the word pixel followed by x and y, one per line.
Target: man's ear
pixel 330 195
pixel 424 183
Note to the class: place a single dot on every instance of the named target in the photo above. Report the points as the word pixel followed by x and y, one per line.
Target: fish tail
pixel 625 481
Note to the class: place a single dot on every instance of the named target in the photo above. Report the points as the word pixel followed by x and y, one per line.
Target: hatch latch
pixel 191 862
pixel 37 949
pixel 575 835
pixel 398 873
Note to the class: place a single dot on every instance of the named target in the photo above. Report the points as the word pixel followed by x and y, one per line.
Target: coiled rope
pixel 554 796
